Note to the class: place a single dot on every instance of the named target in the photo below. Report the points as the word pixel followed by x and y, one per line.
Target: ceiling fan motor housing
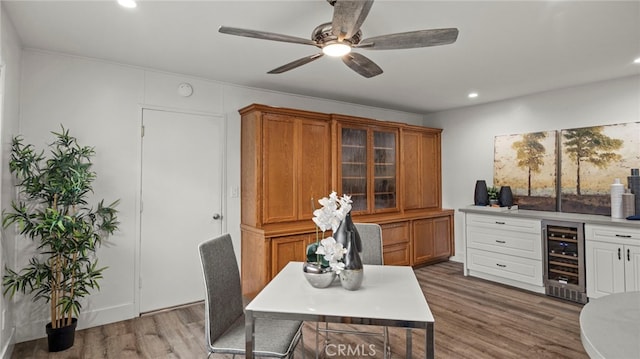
pixel 323 36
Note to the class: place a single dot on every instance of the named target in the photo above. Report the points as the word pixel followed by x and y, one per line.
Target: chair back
pixel 223 292
pixel 371 236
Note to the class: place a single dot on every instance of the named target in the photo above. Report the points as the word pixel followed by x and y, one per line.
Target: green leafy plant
pixel 493 193
pixel 52 209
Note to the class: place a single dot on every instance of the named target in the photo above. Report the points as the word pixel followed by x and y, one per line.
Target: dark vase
pixel 505 196
pixel 60 339
pixel 352 274
pixel 341 233
pixel 481 195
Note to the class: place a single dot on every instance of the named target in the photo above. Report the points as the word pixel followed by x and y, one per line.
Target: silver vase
pixel 351 279
pixel 318 276
pixel 352 274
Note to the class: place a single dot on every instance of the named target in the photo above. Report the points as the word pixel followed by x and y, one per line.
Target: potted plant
pixel 494 195
pixel 325 257
pixel 52 210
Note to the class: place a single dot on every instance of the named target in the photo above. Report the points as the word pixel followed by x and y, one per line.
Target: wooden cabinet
pixel 291 156
pixel 432 239
pixel 612 260
pixel 286 161
pixel 367 167
pixel 421 168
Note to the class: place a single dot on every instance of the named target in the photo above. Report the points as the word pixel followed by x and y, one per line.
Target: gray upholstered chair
pixel 371 236
pixel 224 312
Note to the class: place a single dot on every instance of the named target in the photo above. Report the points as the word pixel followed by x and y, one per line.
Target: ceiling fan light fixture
pixel 336 49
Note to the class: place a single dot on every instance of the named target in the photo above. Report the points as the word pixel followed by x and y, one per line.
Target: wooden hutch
pixel 390 169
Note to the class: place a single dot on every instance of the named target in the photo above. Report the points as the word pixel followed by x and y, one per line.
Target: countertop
pixel 558 216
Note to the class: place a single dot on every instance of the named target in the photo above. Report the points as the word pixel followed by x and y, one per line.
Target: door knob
pixel 217 216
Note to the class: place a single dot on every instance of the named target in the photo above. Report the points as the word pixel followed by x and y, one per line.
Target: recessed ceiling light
pixel 128 3
pixel 473 95
pixel 637 61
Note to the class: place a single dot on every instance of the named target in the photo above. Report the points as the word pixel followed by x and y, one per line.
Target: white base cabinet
pixel 505 249
pixel 612 260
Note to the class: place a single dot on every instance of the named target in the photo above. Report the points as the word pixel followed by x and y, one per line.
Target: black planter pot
pixel 480 194
pixel 506 196
pixel 60 339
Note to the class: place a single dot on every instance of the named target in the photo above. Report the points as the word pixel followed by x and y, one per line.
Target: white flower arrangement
pixel 334 209
pixel 333 253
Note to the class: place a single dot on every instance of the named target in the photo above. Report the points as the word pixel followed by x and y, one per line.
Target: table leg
pixel 430 345
pixel 409 339
pixel 249 328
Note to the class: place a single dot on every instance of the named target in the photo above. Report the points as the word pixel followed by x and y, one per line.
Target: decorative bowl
pixel 317 276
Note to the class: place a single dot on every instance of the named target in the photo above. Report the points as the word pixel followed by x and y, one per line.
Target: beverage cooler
pixel 564 270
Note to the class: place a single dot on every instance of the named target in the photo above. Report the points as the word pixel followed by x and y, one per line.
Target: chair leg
pixel 387 345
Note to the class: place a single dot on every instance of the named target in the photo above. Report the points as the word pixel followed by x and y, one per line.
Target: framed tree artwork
pixel 591 158
pixel 528 164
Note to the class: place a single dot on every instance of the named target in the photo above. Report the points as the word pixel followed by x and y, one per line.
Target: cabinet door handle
pixel 497 241
pixel 619 256
pixel 501 265
pixel 623 235
pixel 628 255
pixel 499 222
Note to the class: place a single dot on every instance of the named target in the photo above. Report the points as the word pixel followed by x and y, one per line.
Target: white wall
pixel 468 133
pixel 10 60
pixel 101 103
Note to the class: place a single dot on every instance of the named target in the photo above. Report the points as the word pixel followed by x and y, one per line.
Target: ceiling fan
pixel 342 34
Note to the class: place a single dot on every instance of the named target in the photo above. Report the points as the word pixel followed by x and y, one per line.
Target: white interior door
pixel 182 171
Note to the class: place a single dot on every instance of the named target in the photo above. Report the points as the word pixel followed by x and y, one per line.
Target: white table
pixel 389 296
pixel 610 326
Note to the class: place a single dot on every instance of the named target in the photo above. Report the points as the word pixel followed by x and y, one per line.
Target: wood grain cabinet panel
pixel 432 239
pixel 421 168
pixel 314 173
pixel 288 249
pixel 279 168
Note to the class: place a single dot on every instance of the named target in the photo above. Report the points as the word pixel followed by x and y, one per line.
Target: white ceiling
pixel 505 49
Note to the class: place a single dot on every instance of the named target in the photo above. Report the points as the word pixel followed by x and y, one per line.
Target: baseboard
pixel 35 330
pixel 7 347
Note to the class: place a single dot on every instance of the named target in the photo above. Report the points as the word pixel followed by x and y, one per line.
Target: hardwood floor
pixel 474 319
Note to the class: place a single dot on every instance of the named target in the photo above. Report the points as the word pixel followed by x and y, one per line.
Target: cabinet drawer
pixel 515 268
pixel 505 223
pixel 394 233
pixel 397 254
pixel 528 245
pixel 614 234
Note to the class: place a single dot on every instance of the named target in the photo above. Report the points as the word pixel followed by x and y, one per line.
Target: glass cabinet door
pixel 369 168
pixel 384 170
pixel 354 166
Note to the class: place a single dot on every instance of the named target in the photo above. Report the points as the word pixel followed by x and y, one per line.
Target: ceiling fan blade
pixel 297 63
pixel 410 40
pixel 361 64
pixel 265 35
pixel 348 16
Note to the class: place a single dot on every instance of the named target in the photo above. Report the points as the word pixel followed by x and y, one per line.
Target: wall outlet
pixel 235 192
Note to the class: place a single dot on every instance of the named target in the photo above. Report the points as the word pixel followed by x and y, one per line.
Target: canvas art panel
pixel 528 164
pixel 591 159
